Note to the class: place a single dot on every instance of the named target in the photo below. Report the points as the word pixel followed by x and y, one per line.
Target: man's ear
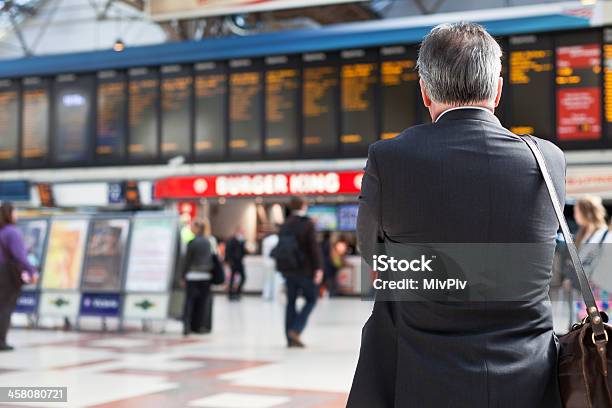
pixel 426 98
pixel 500 85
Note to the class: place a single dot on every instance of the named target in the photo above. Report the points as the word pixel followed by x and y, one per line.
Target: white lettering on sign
pixel 260 184
pixel 315 183
pixel 200 186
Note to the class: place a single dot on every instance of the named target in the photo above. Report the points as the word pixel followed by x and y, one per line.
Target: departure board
pixel 245 112
pixel 143 115
pixel 358 102
pixel 399 88
pixel 176 89
pixel 531 86
pixel 210 110
pixel 578 87
pixel 35 126
pixel 607 78
pixel 111 117
pixel 72 118
pixel 9 120
pixel 282 101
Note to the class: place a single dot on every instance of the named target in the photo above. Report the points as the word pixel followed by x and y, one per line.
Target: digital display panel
pixel 324 217
pixel 531 86
pixel 143 116
pixel 347 217
pixel 607 78
pixel 320 100
pixel 72 118
pixel 35 126
pixel 282 98
pixel 9 123
pixel 578 87
pixel 65 254
pixel 358 102
pixel 176 113
pixel 210 110
pixel 399 88
pixel 151 257
pixel 104 254
pixel 111 117
pixel 245 113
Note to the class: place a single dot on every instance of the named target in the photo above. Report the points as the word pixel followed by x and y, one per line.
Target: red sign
pixel 264 184
pixel 187 207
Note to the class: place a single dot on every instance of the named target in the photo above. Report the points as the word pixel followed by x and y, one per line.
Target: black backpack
pixel 287 253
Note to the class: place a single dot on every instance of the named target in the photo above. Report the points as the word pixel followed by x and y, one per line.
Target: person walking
pixel 298 258
pixel 461 179
pixel 197 275
pixel 13 260
pixel 235 251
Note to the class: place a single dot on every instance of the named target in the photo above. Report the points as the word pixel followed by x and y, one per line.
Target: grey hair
pixel 459 63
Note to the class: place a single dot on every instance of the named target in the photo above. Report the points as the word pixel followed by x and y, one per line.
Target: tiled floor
pixel 243 363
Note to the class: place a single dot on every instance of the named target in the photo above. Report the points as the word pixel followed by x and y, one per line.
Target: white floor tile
pixel 235 400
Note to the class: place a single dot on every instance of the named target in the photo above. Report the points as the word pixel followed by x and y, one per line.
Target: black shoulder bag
pixel 584 357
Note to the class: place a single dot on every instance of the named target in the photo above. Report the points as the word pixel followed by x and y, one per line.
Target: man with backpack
pixel 298 258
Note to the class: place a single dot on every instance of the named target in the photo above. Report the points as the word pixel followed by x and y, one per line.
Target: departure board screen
pixel 210 110
pixel 111 117
pixel 607 78
pixel 72 118
pixel 246 109
pixel 320 100
pixel 176 112
pixel 35 126
pixel 9 129
pixel 531 86
pixel 359 80
pixel 143 104
pixel 282 99
pixel 578 87
pixel 399 87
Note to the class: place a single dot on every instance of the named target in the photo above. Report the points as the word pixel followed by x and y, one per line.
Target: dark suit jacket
pixel 464 179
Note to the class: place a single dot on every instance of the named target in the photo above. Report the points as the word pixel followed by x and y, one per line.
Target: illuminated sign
pixel 265 184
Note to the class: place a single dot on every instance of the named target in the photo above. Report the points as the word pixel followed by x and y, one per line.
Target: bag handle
pixel 597 324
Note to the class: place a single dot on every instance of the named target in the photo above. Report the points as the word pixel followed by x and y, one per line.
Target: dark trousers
pixel 8 299
pixel 197 298
pixel 295 320
pixel 237 269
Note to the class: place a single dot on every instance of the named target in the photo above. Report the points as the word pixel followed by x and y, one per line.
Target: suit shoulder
pixel 550 150
pixel 407 136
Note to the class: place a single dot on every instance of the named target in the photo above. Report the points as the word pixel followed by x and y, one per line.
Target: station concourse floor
pixel 243 363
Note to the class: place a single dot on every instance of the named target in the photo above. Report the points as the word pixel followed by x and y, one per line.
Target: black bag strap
pixel 597 324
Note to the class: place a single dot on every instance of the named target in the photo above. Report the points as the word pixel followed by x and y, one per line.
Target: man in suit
pixel 461 179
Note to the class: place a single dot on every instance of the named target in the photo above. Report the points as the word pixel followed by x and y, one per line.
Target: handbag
pixel 584 358
pixel 218 272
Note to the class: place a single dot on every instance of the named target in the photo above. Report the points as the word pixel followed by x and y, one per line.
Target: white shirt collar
pixel 463 107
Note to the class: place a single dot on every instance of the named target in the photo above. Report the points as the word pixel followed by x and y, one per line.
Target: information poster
pixel 65 253
pixel 358 102
pixel 143 114
pixel 112 109
pixel 246 110
pixel 210 110
pixel 324 217
pixel 320 100
pixel 152 252
pixel 347 217
pixel 531 86
pixel 34 237
pixel 282 99
pixel 35 126
pixel 9 129
pixel 399 89
pixel 106 249
pixel 578 89
pixel 72 118
pixel 176 89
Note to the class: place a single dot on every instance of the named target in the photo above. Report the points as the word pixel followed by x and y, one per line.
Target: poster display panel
pixel 152 253
pixel 65 253
pixel 106 249
pixel 34 234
